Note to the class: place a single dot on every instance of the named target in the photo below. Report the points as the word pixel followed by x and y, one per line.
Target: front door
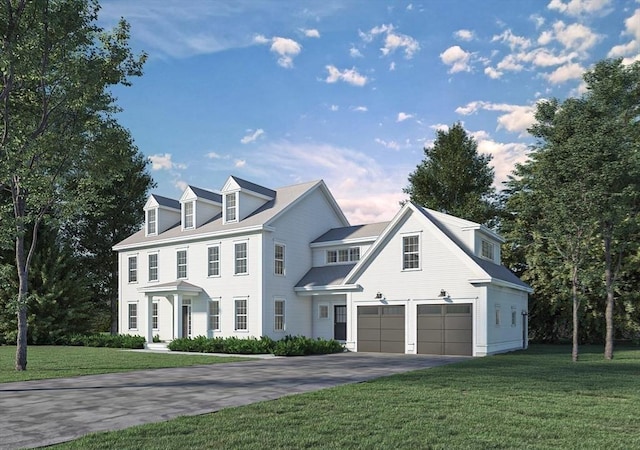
pixel 186 321
pixel 340 322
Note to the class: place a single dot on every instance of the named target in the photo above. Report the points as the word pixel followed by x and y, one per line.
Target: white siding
pixel 323 327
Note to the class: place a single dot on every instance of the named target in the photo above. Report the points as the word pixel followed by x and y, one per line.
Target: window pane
pixel 133 316
pixel 154 316
pixel 354 254
pixel 279 259
pixel 459 309
pixel 153 267
pixel 323 311
pixel 133 269
pixel 279 315
pixel 188 215
pixel 151 221
pixel 241 315
pixel 241 258
pixel 332 256
pixel 343 255
pixel 410 252
pixel 430 309
pixel 213 261
pixel 214 315
pixel 181 257
pixel 230 206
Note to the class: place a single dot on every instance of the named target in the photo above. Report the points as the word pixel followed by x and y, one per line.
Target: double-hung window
pixel 410 252
pixel 240 258
pixel 213 261
pixel 181 264
pixel 188 215
pixel 151 222
pixel 133 316
pixel 214 315
pixel 278 315
pixel 154 316
pixel 278 259
pixel 241 315
pixel 487 250
pixel 153 267
pixel 230 207
pixel 133 269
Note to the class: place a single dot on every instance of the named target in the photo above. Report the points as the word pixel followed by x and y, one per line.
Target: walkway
pixel 38 413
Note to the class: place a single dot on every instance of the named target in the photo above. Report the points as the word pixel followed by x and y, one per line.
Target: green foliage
pixel 454 179
pixel 105 340
pixel 289 346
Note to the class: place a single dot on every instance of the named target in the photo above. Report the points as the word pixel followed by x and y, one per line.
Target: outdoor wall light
pixel 379 296
pixel 443 293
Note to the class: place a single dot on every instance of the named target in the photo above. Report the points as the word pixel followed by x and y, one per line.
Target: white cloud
pixel 239 163
pixel 180 184
pixel 355 53
pixel 630 50
pixel 575 36
pixel 375 31
pixel 393 145
pixel 457 58
pixel 164 162
pixel 564 73
pixel 505 155
pixel 510 62
pixel 464 35
pixel 213 155
pixel 516 120
pixel 439 127
pixel 252 137
pixel 287 49
pixel 311 33
pixel 492 73
pixel 392 66
pixel 260 39
pixel 403 116
pixel 514 42
pixel 393 41
pixel 360 108
pixel 334 108
pixel 579 7
pixel 349 76
pixel 537 19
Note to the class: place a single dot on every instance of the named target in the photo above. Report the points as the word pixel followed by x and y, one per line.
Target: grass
pixel 58 362
pixel 537 399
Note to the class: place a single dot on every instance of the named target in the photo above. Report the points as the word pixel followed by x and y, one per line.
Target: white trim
pixel 219 247
pixel 337 289
pixel 361 240
pixel 246 257
pixel 284 258
pixel 284 314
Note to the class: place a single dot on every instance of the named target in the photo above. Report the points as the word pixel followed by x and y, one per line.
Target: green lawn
pixel 58 362
pixel 533 399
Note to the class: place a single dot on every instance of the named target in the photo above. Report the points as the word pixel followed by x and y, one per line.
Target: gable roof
pixel 206 195
pixel 260 219
pixel 487 270
pixel 356 232
pixel 249 186
pixel 166 201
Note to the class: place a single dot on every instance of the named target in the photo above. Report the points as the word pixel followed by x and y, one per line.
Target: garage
pixel 445 329
pixel 381 329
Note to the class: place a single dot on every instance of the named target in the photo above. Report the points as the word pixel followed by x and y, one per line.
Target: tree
pixel 56 68
pixel 453 178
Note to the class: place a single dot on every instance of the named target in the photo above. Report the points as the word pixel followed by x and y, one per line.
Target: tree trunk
pixel 576 306
pixel 608 313
pixel 21 348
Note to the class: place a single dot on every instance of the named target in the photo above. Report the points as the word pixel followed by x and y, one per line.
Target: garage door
pixel 445 329
pixel 381 329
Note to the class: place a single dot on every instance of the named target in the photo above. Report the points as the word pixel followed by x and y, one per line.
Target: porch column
pixel 149 334
pixel 177 316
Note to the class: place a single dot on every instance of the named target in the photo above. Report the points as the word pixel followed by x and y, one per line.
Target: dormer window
pixel 231 207
pixel 487 250
pixel 188 215
pixel 152 222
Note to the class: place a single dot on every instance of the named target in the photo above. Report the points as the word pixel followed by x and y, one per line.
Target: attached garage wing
pixel 445 329
pixel 381 329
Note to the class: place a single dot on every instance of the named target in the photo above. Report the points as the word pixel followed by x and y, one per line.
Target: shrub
pixel 289 346
pixel 104 340
pixel 301 345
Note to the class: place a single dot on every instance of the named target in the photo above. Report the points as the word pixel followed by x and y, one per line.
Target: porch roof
pixel 178 286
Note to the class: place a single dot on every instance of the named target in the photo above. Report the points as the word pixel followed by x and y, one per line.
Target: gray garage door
pixel 445 329
pixel 381 329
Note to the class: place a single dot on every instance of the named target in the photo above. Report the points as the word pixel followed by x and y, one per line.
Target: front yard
pixel 533 399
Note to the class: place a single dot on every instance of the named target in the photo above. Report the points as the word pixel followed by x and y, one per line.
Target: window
pixel 188 215
pixel 343 255
pixel 410 252
pixel 323 311
pixel 487 250
pixel 133 316
pixel 213 261
pixel 241 315
pixel 279 259
pixel 153 267
pixel 230 200
pixel 151 222
pixel 133 269
pixel 214 315
pixel 181 264
pixel 241 258
pixel 154 316
pixel 278 315
pixel 497 315
pixel 514 316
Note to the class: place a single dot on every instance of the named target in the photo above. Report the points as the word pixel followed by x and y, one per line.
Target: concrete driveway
pixel 38 413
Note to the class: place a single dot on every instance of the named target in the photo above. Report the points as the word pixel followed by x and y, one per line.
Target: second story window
pixel 153 267
pixel 152 221
pixel 188 215
pixel 213 261
pixel 343 255
pixel 230 207
pixel 279 259
pixel 133 269
pixel 181 264
pixel 487 250
pixel 240 258
pixel 410 252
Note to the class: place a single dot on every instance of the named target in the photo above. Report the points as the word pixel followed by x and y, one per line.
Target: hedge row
pixel 105 340
pixel 289 346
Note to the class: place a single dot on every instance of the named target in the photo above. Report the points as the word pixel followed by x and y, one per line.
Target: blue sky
pixel 282 92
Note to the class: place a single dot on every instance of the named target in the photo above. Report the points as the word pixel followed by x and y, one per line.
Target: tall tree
pixel 57 65
pixel 454 178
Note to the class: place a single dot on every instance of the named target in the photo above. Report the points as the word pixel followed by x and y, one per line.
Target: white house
pixel 252 261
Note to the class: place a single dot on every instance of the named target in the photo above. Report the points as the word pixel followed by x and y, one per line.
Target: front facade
pixel 252 261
